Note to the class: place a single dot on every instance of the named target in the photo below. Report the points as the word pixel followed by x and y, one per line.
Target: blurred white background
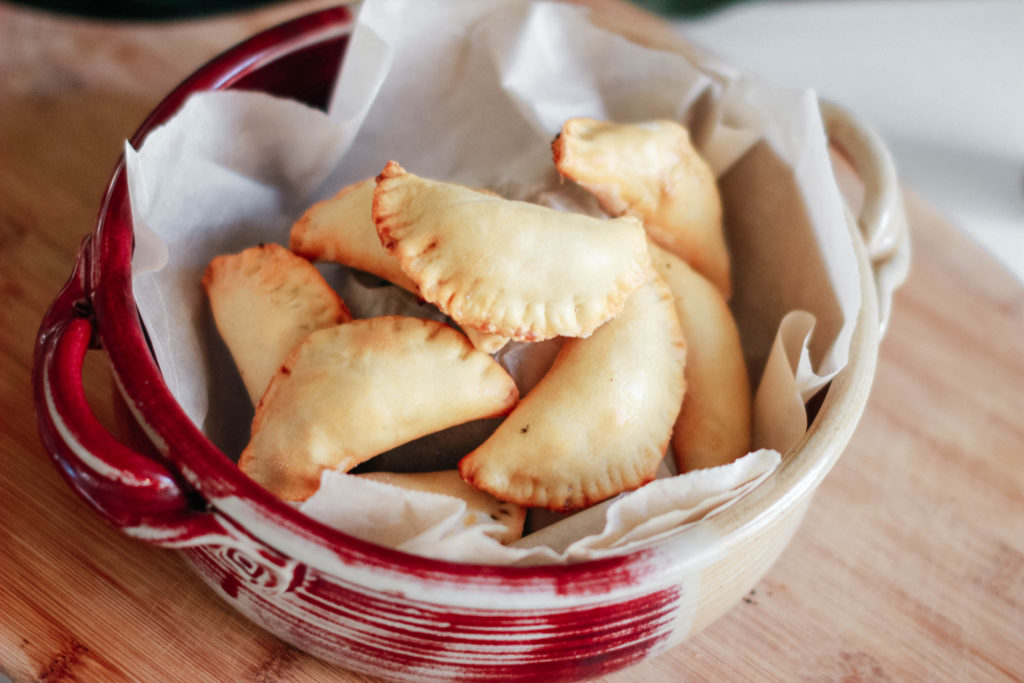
pixel 942 81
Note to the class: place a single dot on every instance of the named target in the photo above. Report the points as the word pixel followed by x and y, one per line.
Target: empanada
pixel 352 391
pixel 507 267
pixel 341 229
pixel 651 170
pixel 485 341
pixel 480 506
pixel 265 300
pixel 599 421
pixel 713 427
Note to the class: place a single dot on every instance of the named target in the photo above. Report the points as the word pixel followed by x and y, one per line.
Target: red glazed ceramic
pixel 372 609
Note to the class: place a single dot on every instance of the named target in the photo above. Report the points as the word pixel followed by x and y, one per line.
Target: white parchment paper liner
pixel 473 91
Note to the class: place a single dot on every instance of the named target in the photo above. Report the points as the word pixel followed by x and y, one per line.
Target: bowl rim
pixel 224 488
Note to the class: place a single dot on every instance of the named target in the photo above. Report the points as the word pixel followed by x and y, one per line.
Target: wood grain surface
pixel 909 565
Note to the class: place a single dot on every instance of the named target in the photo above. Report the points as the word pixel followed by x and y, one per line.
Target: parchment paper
pixel 473 91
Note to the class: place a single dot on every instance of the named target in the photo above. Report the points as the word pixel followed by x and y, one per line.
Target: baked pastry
pixel 341 229
pixel 599 421
pixel 505 267
pixel 265 300
pixel 352 391
pixel 713 428
pixel 485 341
pixel 651 170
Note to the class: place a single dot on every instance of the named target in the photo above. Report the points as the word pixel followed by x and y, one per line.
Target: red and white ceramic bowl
pixel 377 610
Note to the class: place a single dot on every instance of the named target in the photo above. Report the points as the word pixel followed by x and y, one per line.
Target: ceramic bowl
pixel 369 608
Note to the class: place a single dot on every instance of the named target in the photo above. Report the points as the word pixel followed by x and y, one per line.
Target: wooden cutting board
pixel 909 566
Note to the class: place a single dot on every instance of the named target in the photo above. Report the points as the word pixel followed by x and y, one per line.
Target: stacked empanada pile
pixel 651 359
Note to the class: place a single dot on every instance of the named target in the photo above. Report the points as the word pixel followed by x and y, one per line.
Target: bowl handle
pixel 882 219
pixel 134 492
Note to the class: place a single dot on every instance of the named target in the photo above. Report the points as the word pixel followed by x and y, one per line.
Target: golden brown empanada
pixel 651 170
pixel 713 427
pixel 265 300
pixel 352 391
pixel 599 422
pixel 506 267
pixel 341 229
pixel 480 506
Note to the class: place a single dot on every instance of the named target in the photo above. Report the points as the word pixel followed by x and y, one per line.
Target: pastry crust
pixel 341 229
pixel 714 425
pixel 505 267
pixel 599 421
pixel 352 391
pixel 651 170
pixel 485 341
pixel 265 300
